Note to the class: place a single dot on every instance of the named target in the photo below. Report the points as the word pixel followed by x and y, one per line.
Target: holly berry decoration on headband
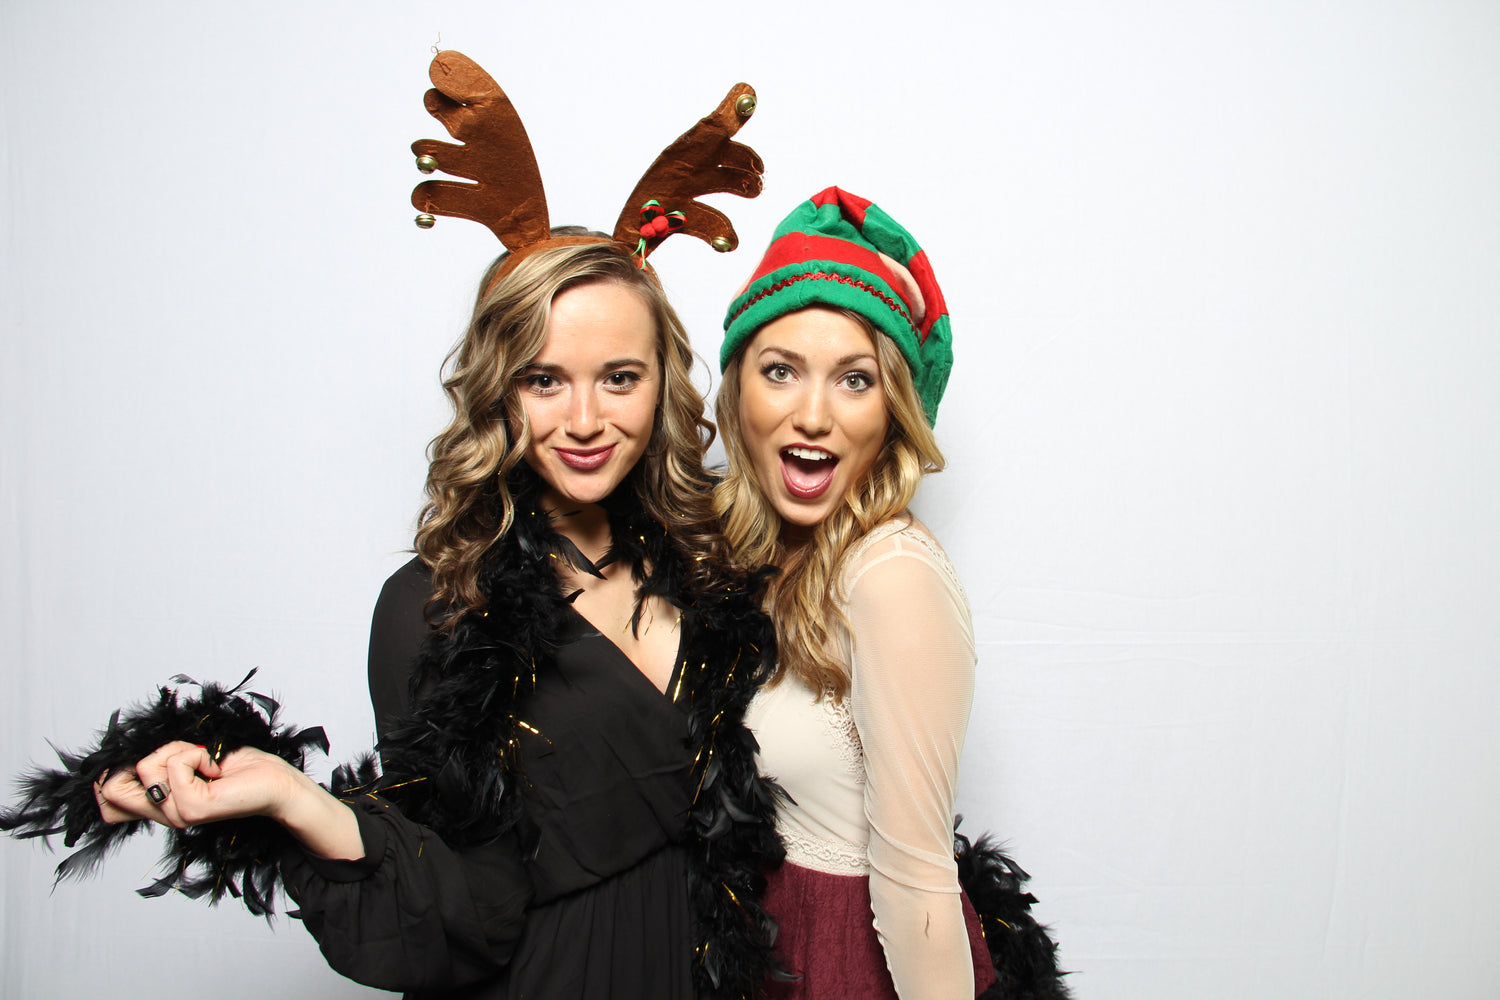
pixel 655 222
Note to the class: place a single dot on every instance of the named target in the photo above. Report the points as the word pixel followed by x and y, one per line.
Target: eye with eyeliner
pixel 539 382
pixel 622 381
pixel 777 371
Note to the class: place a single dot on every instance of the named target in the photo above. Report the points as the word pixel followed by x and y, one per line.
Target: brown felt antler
pixel 704 160
pixel 507 196
pixel 496 153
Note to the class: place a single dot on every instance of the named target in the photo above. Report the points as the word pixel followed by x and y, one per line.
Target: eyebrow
pixel 847 359
pixel 546 368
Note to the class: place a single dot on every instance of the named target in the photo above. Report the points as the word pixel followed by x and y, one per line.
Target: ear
pixel 907 287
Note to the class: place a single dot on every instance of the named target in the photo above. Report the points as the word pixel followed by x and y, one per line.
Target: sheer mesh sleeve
pixel 397 629
pixel 912 652
pixel 415 913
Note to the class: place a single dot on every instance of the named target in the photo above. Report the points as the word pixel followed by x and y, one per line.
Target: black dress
pixel 598 889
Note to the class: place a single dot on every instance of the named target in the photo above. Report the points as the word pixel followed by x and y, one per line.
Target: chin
pixel 802 516
pixel 795 512
pixel 588 494
pixel 569 487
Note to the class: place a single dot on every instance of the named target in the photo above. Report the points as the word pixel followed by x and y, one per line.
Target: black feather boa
pixel 452 764
pixel 237 857
pixel 734 810
pixel 1022 952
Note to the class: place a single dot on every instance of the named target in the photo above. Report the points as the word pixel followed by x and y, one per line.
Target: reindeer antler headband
pixel 507 196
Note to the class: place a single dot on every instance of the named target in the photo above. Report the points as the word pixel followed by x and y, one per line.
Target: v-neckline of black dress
pixel 626 661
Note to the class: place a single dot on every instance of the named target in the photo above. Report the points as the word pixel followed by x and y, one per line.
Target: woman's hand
pixel 181 785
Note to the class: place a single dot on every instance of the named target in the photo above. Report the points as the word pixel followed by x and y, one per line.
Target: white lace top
pixel 874 776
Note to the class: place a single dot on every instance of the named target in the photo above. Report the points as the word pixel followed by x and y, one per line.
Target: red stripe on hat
pixel 801 248
pixel 852 205
pixel 932 295
pixel 897 305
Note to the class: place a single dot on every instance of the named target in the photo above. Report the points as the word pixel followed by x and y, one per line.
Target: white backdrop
pixel 1222 435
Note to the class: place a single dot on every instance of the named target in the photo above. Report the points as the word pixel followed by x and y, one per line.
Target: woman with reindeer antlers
pixel 569 805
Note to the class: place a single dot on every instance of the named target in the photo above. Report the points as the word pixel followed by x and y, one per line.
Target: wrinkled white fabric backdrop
pixel 1223 480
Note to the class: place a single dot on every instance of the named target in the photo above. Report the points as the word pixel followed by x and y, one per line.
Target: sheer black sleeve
pixel 397 630
pixel 415 913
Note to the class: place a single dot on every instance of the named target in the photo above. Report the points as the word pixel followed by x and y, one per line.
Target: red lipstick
pixel 807 470
pixel 584 459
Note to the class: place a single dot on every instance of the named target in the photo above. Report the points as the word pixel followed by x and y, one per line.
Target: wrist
pixel 321 823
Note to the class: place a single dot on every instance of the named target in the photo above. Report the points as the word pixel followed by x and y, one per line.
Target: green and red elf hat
pixel 842 251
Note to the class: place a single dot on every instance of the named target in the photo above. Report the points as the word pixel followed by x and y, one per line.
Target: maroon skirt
pixel 827 938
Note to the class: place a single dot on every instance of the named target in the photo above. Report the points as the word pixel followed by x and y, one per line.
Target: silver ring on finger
pixel 158 792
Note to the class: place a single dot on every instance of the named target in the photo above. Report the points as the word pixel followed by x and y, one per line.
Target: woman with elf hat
pixel 568 805
pixel 835 358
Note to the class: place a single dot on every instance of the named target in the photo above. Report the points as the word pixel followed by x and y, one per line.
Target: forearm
pixel 925 941
pixel 324 826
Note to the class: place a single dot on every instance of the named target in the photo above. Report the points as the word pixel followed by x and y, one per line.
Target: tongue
pixel 807 473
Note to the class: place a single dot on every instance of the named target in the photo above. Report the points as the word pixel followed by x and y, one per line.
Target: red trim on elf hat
pixel 799 248
pixel 897 303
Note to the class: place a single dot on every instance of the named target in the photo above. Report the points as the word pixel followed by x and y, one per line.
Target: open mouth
pixel 584 459
pixel 807 471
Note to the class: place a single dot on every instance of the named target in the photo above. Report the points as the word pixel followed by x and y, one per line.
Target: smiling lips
pixel 584 459
pixel 807 471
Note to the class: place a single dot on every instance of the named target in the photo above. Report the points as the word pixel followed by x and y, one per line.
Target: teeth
pixel 808 454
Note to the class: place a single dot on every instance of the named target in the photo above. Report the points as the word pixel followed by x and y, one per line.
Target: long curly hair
pixel 469 505
pixel 797 599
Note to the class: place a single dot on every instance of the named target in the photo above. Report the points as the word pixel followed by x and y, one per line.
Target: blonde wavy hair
pixel 797 599
pixel 469 504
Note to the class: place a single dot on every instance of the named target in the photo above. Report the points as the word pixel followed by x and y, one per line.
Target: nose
pixel 584 419
pixel 814 415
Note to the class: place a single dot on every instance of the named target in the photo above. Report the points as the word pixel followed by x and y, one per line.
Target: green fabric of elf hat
pixel 842 251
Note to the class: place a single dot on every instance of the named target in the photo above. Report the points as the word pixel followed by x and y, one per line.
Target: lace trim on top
pixel 830 857
pixel 844 735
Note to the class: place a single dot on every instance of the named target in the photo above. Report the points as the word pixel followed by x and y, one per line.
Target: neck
pixel 794 537
pixel 586 525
